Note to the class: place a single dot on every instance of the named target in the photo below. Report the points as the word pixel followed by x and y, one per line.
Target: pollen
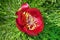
pixel 31 22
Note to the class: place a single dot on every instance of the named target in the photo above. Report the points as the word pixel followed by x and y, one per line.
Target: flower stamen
pixel 30 21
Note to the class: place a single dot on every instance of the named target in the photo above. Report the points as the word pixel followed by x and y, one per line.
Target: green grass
pixel 50 11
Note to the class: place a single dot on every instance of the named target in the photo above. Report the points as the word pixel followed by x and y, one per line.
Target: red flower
pixel 29 20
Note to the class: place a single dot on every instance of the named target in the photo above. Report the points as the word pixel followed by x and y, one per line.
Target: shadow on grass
pixel 2 20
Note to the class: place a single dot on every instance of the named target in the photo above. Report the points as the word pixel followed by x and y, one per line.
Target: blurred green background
pixel 50 10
